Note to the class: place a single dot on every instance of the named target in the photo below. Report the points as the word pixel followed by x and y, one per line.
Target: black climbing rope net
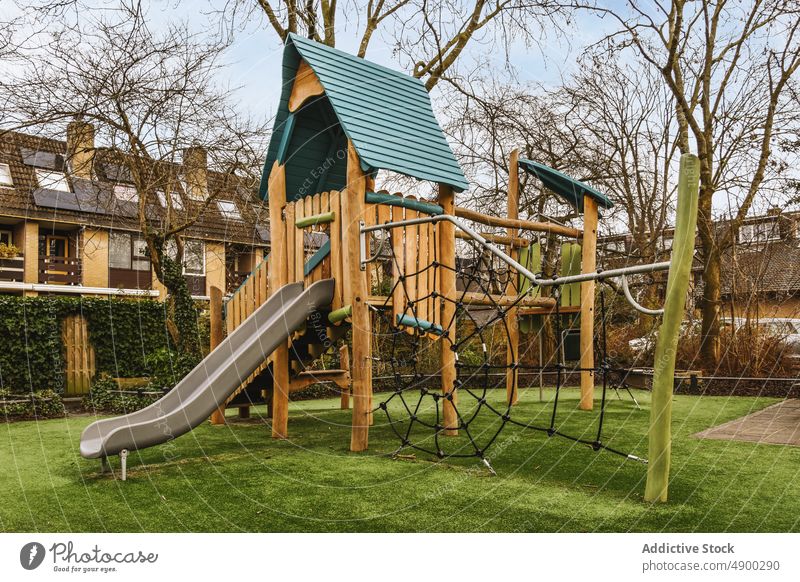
pixel 409 341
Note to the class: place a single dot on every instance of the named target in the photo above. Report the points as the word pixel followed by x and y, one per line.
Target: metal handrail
pixel 636 305
pixel 500 254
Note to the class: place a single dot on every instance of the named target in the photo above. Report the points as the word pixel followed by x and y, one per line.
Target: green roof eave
pixel 569 189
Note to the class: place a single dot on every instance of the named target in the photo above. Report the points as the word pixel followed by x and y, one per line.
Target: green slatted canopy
pixel 386 114
pixel 569 189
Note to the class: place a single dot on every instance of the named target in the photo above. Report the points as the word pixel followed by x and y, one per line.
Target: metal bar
pixel 600 275
pixel 636 305
pixel 595 276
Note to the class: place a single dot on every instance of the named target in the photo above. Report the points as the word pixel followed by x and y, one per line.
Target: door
pixel 57 248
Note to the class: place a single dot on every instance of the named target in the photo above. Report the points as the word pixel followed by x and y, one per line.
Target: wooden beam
pixel 278 277
pixel 379 301
pixel 353 212
pixel 447 278
pixel 501 239
pixel 477 298
pixel 217 333
pixel 563 310
pixel 305 379
pixel 344 363
pixel 512 323
pixel 535 226
pixel 306 85
pixel 588 265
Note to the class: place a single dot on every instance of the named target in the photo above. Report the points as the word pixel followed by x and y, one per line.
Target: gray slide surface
pixel 214 379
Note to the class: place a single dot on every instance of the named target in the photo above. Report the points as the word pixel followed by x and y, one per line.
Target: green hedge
pixel 123 332
pixel 40 404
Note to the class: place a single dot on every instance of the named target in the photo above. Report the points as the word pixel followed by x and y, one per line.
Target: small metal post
pixel 123 457
pixel 541 364
pixel 363 244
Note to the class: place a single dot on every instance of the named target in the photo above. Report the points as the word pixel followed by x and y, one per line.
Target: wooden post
pixel 588 265
pixel 278 277
pixel 512 323
pixel 215 308
pixel 660 435
pixel 447 258
pixel 344 364
pixel 356 295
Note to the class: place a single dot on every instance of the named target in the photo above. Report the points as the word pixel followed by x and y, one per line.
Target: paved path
pixel 778 424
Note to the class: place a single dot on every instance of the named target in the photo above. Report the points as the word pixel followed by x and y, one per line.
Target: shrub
pixel 166 368
pixel 100 396
pixel 122 331
pixel 35 405
pixel 104 396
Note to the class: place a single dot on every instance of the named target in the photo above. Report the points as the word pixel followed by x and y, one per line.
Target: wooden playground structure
pixel 341 120
pixel 338 217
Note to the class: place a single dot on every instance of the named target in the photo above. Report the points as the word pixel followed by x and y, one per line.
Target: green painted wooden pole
pixel 660 435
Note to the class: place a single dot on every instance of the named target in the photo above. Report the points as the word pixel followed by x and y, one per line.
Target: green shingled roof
pixel 385 113
pixel 569 189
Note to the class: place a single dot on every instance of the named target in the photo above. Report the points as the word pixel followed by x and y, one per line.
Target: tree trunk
pixel 709 342
pixel 710 345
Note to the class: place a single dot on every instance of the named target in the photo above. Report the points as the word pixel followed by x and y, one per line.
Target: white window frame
pixel 52 180
pixel 131 239
pixel 137 258
pixel 119 235
pixel 768 230
pixel 10 234
pixel 202 256
pixel 232 212
pixel 171 252
pixel 6 180
pixel 746 233
pixel 177 201
pixel 126 193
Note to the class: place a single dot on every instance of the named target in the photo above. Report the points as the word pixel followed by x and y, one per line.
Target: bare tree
pixel 151 96
pixel 430 35
pixel 729 67
pixel 610 124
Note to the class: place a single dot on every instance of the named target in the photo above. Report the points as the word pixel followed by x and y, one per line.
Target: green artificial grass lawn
pixel 236 478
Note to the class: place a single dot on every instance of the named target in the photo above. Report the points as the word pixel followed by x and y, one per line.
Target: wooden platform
pixel 778 424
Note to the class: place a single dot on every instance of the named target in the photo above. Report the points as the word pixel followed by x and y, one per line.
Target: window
pixel 52 180
pixel 194 255
pixel 194 258
pixel 228 209
pixel 667 243
pixel 127 251
pixel 6 238
pixel 140 260
pixel 5 175
pixel 119 251
pixel 126 193
pixel 759 232
pixel 177 201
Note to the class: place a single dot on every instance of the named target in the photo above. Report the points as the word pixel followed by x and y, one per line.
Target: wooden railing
pixel 59 270
pixel 12 269
pixel 244 301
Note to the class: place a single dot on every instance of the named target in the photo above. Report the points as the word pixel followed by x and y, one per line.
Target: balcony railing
pixel 59 270
pixel 235 279
pixel 12 269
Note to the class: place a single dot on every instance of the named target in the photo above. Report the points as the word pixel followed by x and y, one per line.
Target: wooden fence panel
pixel 78 355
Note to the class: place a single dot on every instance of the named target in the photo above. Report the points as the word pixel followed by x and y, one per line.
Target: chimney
pixel 195 172
pixel 80 148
